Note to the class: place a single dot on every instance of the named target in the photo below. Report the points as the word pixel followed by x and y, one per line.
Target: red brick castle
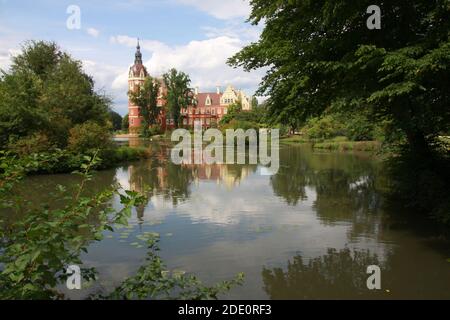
pixel 211 106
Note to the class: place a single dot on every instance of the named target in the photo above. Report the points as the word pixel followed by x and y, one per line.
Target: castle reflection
pixel 158 176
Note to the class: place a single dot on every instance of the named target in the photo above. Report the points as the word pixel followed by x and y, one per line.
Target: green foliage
pixel 179 94
pixel 36 143
pixel 89 136
pixel 234 110
pixel 146 98
pixel 238 124
pixel 155 281
pixel 155 130
pixel 36 250
pixel 254 118
pixel 126 123
pixel 421 185
pixel 324 128
pixel 47 92
pixel 319 53
pixel 116 120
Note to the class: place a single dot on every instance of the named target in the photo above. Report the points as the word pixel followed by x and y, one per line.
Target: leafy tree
pixel 233 111
pixel 46 91
pixel 320 54
pixel 126 122
pixel 179 94
pixel 146 98
pixel 116 120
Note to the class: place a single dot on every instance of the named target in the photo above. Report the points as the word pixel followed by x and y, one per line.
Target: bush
pixel 326 127
pixel 155 130
pixel 359 128
pixel 238 124
pixel 89 136
pixel 36 143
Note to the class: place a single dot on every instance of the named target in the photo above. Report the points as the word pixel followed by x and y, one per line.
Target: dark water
pixel 309 231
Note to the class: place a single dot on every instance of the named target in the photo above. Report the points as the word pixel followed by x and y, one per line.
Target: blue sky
pixel 195 36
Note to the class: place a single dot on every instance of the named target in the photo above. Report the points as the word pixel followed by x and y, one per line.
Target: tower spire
pixel 138 59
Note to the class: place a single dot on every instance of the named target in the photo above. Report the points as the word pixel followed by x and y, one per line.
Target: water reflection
pixel 335 275
pixel 342 275
pixel 322 212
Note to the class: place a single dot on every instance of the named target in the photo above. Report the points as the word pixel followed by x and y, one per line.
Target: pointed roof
pixel 138 69
pixel 138 55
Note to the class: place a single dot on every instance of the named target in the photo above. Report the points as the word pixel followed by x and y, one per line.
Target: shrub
pixel 237 124
pixel 155 130
pixel 89 136
pixel 36 143
pixel 326 127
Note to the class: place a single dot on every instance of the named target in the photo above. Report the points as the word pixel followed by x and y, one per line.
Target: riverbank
pixel 336 144
pixel 63 161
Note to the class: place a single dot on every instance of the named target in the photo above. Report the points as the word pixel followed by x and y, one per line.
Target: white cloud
pixel 221 9
pixel 104 75
pixel 204 61
pixel 93 32
pixel 6 56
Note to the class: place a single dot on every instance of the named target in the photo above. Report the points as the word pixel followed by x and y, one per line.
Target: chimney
pixel 218 90
pixel 196 91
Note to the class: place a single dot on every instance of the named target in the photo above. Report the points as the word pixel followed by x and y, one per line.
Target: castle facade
pixel 210 109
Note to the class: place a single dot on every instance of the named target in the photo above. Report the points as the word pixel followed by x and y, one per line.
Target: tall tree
pixel 179 93
pixel 146 98
pixel 321 55
pixel 46 91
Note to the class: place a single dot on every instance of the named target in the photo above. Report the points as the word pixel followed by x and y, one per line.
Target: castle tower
pixel 136 77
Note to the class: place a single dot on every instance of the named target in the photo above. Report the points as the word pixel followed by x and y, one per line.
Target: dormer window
pixel 208 101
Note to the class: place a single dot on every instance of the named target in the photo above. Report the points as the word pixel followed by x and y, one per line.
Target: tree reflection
pixel 336 275
pixel 346 187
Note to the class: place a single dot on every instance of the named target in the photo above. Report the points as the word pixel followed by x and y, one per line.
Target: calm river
pixel 309 231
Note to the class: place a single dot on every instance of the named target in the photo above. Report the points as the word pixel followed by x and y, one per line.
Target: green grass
pixel 335 144
pixel 295 139
pixel 372 146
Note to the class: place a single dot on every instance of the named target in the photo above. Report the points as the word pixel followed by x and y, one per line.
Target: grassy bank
pixel 369 146
pixel 336 144
pixel 62 161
